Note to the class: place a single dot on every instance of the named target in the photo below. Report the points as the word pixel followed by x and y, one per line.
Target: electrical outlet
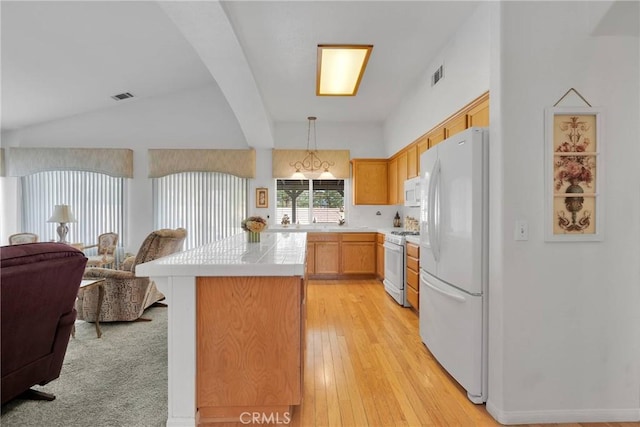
pixel 522 230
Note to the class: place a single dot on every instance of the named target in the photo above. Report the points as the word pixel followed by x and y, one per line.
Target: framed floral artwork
pixel 262 197
pixel 574 173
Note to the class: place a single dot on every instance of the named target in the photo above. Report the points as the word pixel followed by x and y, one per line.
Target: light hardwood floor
pixel 365 365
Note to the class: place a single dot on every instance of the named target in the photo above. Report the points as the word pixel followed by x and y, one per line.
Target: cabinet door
pixel 393 181
pixel 479 114
pixel 370 184
pixel 455 125
pixel 436 136
pixel 311 258
pixel 359 257
pixel 327 258
pixel 402 176
pixel 412 161
pixel 380 262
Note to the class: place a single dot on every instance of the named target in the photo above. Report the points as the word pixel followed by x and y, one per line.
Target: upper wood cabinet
pixel 393 181
pixel 423 145
pixel 436 136
pixel 370 185
pixel 412 161
pixel 402 176
pixel 478 114
pixel 455 125
pixel 370 182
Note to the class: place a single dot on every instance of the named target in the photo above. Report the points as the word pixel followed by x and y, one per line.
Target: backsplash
pixel 365 216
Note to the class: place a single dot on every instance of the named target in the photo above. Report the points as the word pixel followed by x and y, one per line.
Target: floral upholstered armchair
pixel 126 295
pixel 107 243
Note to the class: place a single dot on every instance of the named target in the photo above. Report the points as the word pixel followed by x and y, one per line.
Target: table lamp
pixel 62 215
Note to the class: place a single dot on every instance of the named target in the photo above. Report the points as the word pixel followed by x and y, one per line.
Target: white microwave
pixel 412 192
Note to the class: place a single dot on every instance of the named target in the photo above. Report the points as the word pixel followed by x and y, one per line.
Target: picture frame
pixel 574 174
pixel 262 197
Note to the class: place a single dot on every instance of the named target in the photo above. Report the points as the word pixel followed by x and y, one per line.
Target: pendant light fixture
pixel 311 162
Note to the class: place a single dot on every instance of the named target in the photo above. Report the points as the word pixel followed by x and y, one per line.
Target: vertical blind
pixel 96 200
pixel 209 205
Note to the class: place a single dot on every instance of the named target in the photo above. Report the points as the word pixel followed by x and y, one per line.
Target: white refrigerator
pixel 454 225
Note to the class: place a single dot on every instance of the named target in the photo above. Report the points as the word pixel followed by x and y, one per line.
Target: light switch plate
pixel 522 230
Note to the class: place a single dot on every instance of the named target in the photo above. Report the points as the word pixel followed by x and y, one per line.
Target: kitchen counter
pixel 277 254
pixel 329 228
pixel 235 327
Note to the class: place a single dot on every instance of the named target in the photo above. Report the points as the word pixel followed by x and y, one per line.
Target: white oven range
pixel 394 265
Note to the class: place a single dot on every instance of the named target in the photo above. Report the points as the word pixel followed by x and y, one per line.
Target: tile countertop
pixel 277 254
pixel 329 228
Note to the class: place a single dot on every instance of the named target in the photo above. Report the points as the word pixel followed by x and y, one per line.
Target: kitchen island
pixel 235 328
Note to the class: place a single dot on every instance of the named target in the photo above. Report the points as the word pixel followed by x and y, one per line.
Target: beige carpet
pixel 118 380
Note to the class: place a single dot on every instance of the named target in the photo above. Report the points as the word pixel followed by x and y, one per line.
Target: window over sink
pixel 310 200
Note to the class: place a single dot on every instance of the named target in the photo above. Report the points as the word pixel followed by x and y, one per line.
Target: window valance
pixel 284 159
pixel 116 162
pixel 241 163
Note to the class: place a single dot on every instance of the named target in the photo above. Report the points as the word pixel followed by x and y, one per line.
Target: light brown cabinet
pixel 358 253
pixel 323 254
pixel 402 176
pixel 370 187
pixel 412 161
pixel 338 255
pixel 370 183
pixel 234 317
pixel 413 275
pixel 455 125
pixel 393 181
pixel 380 256
pixel 436 136
pixel 478 114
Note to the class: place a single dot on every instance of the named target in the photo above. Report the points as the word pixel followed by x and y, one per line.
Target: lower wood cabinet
pixel 327 258
pixel 380 256
pixel 336 255
pixel 413 275
pixel 250 345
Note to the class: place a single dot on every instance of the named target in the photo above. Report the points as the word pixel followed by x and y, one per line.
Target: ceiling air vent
pixel 121 96
pixel 437 76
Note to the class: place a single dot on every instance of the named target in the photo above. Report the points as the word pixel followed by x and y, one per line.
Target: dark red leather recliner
pixel 39 284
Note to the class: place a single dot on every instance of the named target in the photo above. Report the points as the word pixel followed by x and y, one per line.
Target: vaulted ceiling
pixel 61 59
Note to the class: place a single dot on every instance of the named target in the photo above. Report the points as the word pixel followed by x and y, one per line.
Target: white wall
pixel 465 59
pixel 565 323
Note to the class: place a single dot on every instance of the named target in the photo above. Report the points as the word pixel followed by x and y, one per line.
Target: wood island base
pixel 249 347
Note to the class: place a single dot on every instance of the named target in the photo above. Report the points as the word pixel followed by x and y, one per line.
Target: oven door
pixel 394 271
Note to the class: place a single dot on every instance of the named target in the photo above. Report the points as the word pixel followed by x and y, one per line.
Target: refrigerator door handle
pixel 434 210
pixel 445 293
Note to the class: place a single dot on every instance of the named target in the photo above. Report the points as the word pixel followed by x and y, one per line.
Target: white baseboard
pixel 181 422
pixel 563 416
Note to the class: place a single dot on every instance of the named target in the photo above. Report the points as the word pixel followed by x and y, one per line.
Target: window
pixel 296 196
pixel 96 200
pixel 209 205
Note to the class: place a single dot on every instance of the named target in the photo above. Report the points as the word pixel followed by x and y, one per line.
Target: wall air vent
pixel 121 96
pixel 437 76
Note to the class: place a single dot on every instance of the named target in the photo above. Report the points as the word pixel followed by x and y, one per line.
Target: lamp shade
pixel 62 214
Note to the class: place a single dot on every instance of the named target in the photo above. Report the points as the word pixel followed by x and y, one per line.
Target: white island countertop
pixel 277 254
